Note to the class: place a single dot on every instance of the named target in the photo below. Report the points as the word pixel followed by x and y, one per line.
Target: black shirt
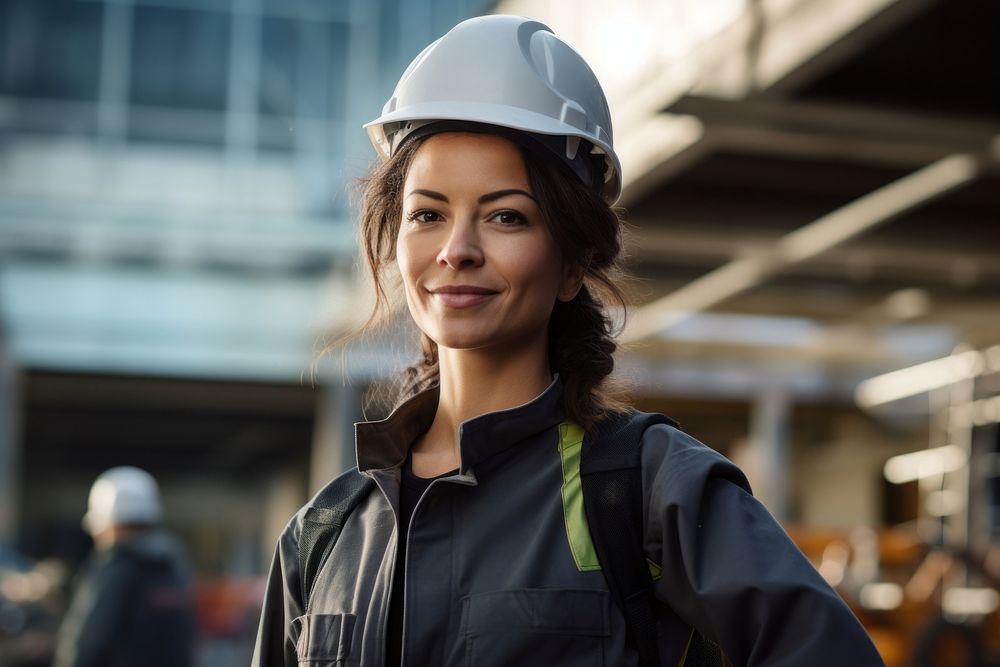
pixel 411 488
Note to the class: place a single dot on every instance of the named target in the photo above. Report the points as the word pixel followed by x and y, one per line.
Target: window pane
pixel 279 71
pixel 315 9
pixel 50 49
pixel 180 58
pixel 302 75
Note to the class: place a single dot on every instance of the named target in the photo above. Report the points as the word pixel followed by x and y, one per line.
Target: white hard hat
pixel 122 495
pixel 505 71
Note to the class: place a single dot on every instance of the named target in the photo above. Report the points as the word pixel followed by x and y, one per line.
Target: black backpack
pixel 611 477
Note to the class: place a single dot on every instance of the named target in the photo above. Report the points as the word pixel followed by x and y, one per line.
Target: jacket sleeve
pixel 731 571
pixel 283 603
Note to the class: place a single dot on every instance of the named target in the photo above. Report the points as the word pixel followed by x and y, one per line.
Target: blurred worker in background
pixel 133 602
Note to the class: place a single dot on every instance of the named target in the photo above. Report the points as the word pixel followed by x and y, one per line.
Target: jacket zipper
pixel 406 571
pixel 384 616
pixel 406 565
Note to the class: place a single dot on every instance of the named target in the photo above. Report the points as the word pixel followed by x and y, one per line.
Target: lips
pixel 463 296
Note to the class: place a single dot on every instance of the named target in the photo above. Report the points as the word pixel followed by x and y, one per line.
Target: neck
pixel 474 382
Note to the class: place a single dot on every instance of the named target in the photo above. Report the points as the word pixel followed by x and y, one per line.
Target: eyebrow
pixel 485 199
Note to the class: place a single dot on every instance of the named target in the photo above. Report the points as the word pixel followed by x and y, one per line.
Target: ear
pixel 572 281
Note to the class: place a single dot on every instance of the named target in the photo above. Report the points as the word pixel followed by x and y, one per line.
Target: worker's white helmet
pixel 122 495
pixel 511 72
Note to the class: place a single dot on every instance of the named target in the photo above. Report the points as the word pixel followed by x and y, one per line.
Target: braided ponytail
pixel 581 331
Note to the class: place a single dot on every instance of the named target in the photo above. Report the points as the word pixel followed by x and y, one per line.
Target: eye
pixel 509 218
pixel 423 215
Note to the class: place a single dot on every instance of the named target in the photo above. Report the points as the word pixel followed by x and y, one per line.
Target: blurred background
pixel 814 199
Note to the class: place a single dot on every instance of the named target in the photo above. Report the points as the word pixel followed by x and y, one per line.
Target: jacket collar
pixel 385 443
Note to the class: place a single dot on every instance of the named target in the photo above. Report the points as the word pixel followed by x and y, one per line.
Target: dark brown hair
pixel 584 227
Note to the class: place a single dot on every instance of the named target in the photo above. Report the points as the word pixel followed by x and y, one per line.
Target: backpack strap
pixel 611 477
pixel 323 521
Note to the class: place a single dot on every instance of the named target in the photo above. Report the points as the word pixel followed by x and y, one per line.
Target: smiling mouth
pixel 463 296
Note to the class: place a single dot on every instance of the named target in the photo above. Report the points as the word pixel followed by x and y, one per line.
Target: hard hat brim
pixel 504 116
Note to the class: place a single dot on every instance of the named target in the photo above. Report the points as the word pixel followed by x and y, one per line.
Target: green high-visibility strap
pixel 610 474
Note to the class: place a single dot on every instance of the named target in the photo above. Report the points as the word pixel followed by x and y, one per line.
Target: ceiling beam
pixel 945 132
pixel 649 242
pixel 829 231
pixel 880 19
pixel 697 126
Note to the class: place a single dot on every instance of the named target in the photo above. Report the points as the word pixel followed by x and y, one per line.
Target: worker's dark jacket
pixel 500 568
pixel 133 605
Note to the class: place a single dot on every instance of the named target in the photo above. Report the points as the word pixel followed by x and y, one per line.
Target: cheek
pixel 405 290
pixel 406 259
pixel 536 270
pixel 412 257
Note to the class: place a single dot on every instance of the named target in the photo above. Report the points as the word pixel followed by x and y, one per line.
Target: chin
pixel 463 341
pixel 461 338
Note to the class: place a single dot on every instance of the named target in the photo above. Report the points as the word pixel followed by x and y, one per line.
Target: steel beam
pixel 829 231
pixel 669 242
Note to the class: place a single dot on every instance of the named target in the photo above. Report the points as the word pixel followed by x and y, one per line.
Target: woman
pixel 493 202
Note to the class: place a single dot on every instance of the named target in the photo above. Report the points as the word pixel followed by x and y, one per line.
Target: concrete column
pixel 958 484
pixel 364 54
pixel 10 446
pixel 116 61
pixel 243 82
pixel 283 498
pixel 768 440
pixel 338 407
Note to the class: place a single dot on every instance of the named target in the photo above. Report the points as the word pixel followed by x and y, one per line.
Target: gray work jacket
pixel 500 568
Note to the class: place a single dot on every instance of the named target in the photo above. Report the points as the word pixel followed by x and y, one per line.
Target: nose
pixel 461 249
